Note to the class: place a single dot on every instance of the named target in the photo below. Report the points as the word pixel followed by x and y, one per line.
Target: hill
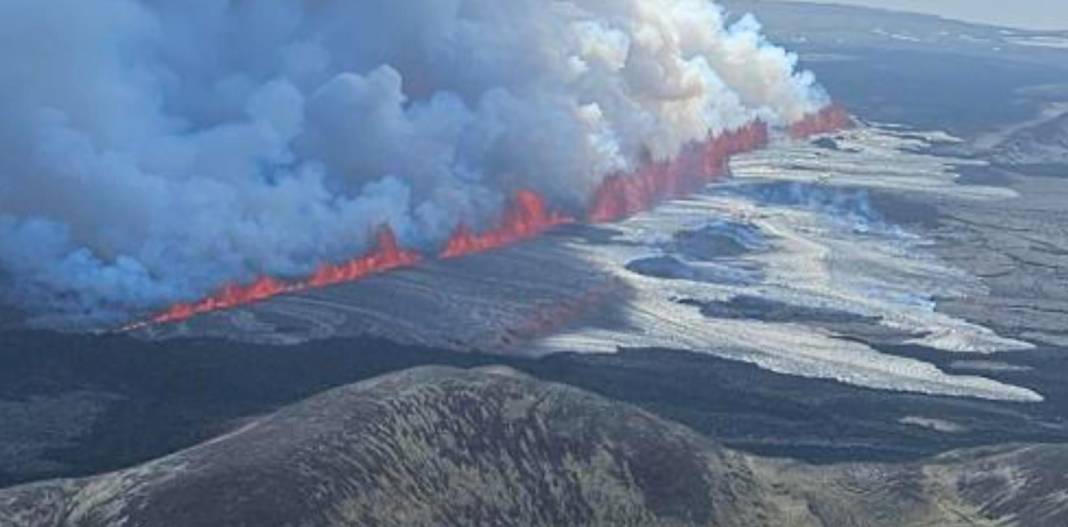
pixel 444 446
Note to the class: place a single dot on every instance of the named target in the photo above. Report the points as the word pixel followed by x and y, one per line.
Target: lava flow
pixel 386 255
pixel 623 195
pixel 526 217
pixel 231 295
pixel 832 118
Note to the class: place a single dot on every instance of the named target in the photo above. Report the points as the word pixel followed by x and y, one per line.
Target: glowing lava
pixel 526 217
pixel 832 118
pixel 386 255
pixel 230 296
pixel 623 195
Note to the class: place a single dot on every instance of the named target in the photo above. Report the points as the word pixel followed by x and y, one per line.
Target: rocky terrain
pixel 495 300
pixel 884 231
pixel 807 353
pixel 1042 144
pixel 442 446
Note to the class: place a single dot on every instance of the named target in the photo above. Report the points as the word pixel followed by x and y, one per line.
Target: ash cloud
pixel 153 150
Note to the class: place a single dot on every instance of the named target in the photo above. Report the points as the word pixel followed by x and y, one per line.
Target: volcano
pixel 623 195
pixel 830 119
pixel 386 255
pixel 528 215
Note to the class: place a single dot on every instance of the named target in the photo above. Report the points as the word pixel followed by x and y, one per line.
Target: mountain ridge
pixel 444 446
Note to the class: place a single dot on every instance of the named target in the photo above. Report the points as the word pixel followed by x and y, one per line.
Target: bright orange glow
pixel 385 256
pixel 623 195
pixel 526 217
pixel 832 118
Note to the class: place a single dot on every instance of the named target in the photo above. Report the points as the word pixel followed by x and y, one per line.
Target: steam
pixel 152 150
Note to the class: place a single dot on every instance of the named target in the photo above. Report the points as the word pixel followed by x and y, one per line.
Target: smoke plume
pixel 153 150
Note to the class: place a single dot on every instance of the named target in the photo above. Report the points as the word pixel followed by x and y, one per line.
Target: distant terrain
pixel 920 70
pixel 870 328
pixel 438 446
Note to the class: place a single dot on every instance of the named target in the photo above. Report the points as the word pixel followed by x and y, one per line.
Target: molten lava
pixel 830 119
pixel 526 217
pixel 385 256
pixel 623 195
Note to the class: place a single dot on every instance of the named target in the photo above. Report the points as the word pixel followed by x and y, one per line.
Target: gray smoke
pixel 151 150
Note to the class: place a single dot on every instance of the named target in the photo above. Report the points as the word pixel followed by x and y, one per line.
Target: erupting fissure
pixel 830 119
pixel 386 255
pixel 622 195
pixel 528 215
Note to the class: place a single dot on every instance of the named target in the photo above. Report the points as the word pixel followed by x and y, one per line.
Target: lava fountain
pixel 830 119
pixel 623 195
pixel 386 255
pixel 527 216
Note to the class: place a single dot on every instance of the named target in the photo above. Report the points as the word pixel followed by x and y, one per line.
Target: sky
pixel 1028 14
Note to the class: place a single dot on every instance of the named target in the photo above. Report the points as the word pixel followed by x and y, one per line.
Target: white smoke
pixel 152 150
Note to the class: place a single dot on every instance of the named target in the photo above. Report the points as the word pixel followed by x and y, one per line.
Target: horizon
pixel 1034 15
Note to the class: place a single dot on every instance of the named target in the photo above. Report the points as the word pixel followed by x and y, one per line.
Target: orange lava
pixel 385 256
pixel 830 119
pixel 623 195
pixel 526 217
pixel 231 295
